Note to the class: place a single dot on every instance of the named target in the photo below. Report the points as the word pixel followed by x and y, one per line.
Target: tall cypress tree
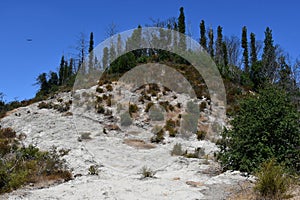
pixel 269 56
pixel 61 71
pixel 245 47
pixel 219 47
pixel 253 53
pixel 181 29
pixel 91 53
pixel 211 43
pixel 203 35
pixel 105 58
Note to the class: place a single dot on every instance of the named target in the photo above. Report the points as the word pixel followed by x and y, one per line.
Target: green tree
pixel 203 35
pixel 219 46
pixel 253 53
pixel 105 57
pixel 245 47
pixel 269 57
pixel 91 53
pixel 225 56
pixel 181 29
pixel 266 126
pixel 211 43
pixel 61 71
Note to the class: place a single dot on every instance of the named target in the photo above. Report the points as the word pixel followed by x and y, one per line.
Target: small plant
pixel 45 105
pixel 201 135
pixel 99 90
pixel 158 137
pixel 273 182
pixel 99 109
pixel 109 88
pixel 170 126
pixel 177 150
pixel 93 170
pixel 148 106
pixel 156 114
pixel 147 172
pixel 202 106
pixel 126 119
pixel 133 108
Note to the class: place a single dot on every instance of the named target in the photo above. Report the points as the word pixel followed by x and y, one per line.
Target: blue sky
pixel 54 27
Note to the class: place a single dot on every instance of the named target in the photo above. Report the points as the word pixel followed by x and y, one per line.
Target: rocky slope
pixel 118 152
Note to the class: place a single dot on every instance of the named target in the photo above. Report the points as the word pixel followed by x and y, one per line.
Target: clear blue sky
pixel 54 26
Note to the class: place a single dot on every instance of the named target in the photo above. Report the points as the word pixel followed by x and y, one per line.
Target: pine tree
pixel 91 53
pixel 203 35
pixel 219 43
pixel 119 45
pixel 61 71
pixel 225 54
pixel 211 43
pixel 105 58
pixel 269 57
pixel 181 29
pixel 245 47
pixel 253 53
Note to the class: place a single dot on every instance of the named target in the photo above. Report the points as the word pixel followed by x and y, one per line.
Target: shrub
pixel 170 126
pixel 201 135
pixel 99 109
pixel 133 108
pixel 266 126
pixel 45 105
pixel 272 181
pixel 156 113
pixel 177 150
pixel 93 170
pixel 202 106
pixel 158 137
pixel 147 172
pixel 109 88
pixel 125 119
pixel 149 105
pixel 99 90
pixel 7 133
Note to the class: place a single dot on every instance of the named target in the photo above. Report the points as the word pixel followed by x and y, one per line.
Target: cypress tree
pixel 105 58
pixel 61 71
pixel 269 57
pixel 219 43
pixel 245 47
pixel 181 29
pixel 253 53
pixel 211 43
pixel 202 35
pixel 225 54
pixel 91 53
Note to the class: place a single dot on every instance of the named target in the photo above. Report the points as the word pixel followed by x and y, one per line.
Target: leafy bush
pixel 133 108
pixel 93 170
pixel 147 172
pixel 201 135
pixel 170 126
pixel 149 106
pixel 99 90
pixel 23 165
pixel 45 105
pixel 156 113
pixel 266 126
pixel 109 88
pixel 125 119
pixel 158 137
pixel 272 181
pixel 177 150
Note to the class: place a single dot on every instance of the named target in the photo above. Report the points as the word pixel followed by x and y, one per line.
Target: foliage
pixel 158 137
pixel 266 126
pixel 147 172
pixel 93 170
pixel 177 150
pixel 273 183
pixel 125 119
pixel 20 165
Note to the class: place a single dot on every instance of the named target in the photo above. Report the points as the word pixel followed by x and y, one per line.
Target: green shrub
pixel 266 126
pixel 133 108
pixel 201 135
pixel 93 170
pixel 273 183
pixel 99 109
pixel 148 106
pixel 7 133
pixel 170 126
pixel 99 90
pixel 45 105
pixel 109 88
pixel 125 119
pixel 177 150
pixel 156 114
pixel 158 137
pixel 147 172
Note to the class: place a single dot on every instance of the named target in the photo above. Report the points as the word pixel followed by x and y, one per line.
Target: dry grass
pixel 139 144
